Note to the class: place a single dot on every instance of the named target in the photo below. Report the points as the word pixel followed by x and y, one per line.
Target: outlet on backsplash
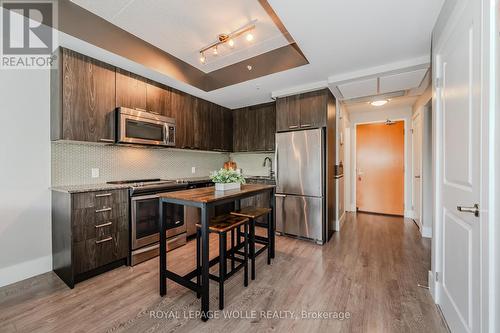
pixel 95 172
pixel 193 170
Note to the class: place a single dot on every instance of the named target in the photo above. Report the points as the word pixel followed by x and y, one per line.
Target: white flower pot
pixel 227 186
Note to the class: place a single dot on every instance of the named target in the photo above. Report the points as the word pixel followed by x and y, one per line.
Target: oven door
pixel 145 220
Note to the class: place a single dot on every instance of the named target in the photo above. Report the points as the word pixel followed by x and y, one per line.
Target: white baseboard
pixel 409 214
pixel 426 232
pixel 340 222
pixel 432 285
pixel 25 270
pixel 353 208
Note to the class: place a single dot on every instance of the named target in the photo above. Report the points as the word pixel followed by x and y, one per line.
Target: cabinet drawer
pixel 87 231
pixel 99 199
pixel 87 222
pixel 92 253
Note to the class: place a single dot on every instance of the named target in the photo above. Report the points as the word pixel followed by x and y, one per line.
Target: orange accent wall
pixel 380 168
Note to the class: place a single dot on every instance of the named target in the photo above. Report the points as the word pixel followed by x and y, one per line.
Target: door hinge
pixel 411 131
pixel 437 276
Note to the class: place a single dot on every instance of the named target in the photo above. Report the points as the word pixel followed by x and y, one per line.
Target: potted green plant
pixel 227 179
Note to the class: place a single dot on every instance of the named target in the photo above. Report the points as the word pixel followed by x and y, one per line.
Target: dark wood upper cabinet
pixel 183 106
pixel 254 128
pixel 240 130
pixel 302 111
pixel 85 93
pixel 130 90
pixel 158 99
pixel 82 99
pixel 227 129
pixel 269 116
pixel 201 124
pixel 288 113
pixel 313 107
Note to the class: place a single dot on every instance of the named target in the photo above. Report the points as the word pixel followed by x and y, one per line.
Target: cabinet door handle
pixel 103 225
pixel 104 240
pixel 103 195
pixel 103 210
pixel 305 125
pixel 293 126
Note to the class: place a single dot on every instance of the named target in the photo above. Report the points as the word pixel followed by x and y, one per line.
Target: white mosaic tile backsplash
pixel 72 163
pixel 251 163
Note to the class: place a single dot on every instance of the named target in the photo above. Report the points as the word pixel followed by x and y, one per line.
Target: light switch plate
pixel 193 170
pixel 95 173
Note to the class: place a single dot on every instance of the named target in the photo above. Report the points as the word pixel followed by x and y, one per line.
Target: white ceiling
pixel 382 84
pixel 394 103
pixel 182 27
pixel 341 38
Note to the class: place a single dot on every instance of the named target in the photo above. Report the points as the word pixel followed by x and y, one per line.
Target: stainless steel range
pixel 144 218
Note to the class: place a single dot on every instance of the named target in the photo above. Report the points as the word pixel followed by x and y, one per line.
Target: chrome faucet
pixel 271 172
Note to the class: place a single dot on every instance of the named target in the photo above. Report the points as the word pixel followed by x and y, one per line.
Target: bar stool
pixel 221 225
pixel 254 213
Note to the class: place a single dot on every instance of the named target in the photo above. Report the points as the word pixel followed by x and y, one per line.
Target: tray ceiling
pixel 182 28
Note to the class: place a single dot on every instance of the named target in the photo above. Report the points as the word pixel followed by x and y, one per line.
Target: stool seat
pixel 252 212
pixel 224 223
pixel 221 225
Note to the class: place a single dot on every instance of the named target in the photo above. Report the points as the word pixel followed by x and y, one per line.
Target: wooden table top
pixel 209 194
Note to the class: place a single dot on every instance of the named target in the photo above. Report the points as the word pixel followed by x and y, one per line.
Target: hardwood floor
pixel 370 269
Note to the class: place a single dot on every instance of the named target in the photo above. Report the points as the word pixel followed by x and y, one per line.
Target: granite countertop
pixel 89 188
pixel 107 187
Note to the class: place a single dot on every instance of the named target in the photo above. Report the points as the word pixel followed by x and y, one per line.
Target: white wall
pixel 423 108
pixel 25 227
pixel 342 144
pixel 372 114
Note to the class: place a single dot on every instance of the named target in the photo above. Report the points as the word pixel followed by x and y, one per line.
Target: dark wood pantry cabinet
pixel 302 111
pixel 82 98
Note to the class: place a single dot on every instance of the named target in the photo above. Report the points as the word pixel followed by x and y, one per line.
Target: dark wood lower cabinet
pixel 261 200
pixel 90 233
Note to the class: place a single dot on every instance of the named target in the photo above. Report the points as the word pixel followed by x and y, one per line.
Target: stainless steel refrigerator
pixel 301 188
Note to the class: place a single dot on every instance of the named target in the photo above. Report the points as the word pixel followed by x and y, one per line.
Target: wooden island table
pixel 206 199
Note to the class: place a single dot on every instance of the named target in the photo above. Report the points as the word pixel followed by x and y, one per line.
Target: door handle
pixel 474 209
pixel 417 177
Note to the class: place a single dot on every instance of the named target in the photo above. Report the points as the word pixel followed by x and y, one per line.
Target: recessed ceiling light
pixel 249 37
pixel 379 102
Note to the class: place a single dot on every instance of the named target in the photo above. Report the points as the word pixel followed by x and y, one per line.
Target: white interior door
pixel 417 169
pixel 458 128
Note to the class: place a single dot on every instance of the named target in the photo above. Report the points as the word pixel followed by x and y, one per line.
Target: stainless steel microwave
pixel 146 128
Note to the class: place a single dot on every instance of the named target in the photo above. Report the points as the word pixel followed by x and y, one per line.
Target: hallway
pixel 370 269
